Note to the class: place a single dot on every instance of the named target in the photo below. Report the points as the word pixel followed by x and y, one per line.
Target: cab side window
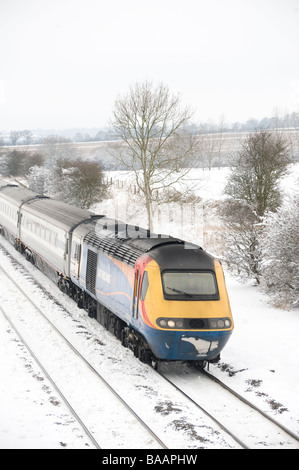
pixel 144 286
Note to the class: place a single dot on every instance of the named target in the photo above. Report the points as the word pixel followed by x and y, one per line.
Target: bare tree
pixel 33 159
pixel 27 134
pixel 3 158
pixel 242 251
pixel 15 162
pixel 262 162
pixel 281 251
pixel 209 149
pixel 212 142
pixel 78 182
pixel 154 141
pixel 19 162
pixel 14 136
pixel 55 147
pixel 253 190
pixel 220 131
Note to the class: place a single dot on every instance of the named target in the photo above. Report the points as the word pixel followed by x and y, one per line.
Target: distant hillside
pixel 217 149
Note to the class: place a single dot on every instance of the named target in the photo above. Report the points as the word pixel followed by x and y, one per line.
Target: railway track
pixel 173 430
pixel 250 426
pixel 96 400
pixel 218 419
pixel 241 398
pixel 51 380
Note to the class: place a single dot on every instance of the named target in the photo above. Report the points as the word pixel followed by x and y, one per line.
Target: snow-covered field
pixel 260 360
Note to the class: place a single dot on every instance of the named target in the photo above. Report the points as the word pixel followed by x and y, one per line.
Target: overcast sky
pixel 64 62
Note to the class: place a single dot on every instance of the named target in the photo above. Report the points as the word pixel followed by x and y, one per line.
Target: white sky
pixel 63 62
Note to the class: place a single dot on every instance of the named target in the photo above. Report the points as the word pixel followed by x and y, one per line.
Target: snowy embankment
pixel 261 359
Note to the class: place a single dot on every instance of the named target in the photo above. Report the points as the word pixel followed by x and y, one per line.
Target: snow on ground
pixel 262 356
pixel 31 415
pixel 261 359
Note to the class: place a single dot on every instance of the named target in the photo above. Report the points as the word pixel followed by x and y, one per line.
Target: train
pixel 164 299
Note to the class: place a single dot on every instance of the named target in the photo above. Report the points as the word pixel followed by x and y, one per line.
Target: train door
pixel 76 257
pixel 141 285
pixel 19 226
pixel 136 293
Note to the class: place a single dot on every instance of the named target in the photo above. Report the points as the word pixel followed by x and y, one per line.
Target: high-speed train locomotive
pixel 164 299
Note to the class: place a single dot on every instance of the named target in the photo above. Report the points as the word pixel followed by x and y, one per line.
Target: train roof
pixel 57 213
pixel 16 194
pixel 183 256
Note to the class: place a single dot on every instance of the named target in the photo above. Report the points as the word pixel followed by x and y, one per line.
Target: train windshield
pixel 196 285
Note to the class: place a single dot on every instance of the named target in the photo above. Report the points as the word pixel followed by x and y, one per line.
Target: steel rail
pixel 250 404
pixel 53 383
pixel 224 428
pixel 204 372
pixel 87 363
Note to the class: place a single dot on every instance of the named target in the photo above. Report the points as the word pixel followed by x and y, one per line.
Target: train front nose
pixel 188 345
pixel 202 346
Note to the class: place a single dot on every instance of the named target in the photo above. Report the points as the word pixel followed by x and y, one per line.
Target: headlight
pixel 194 323
pixel 177 323
pixel 220 323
